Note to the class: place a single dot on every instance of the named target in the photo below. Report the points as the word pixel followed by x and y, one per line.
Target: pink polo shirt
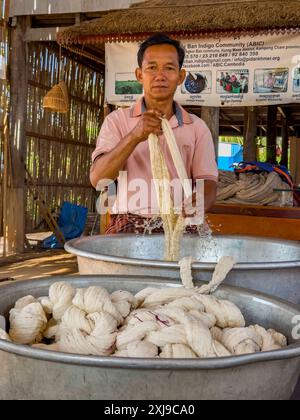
pixel 195 144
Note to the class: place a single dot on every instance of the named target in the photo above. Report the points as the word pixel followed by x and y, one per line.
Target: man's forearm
pixel 210 194
pixel 195 203
pixel 109 165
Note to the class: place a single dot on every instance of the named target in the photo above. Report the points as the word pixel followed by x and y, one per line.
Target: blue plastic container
pixel 229 153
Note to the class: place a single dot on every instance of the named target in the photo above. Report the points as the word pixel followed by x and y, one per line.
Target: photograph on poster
pixel 197 82
pixel 126 84
pixel 271 80
pixel 296 80
pixel 233 81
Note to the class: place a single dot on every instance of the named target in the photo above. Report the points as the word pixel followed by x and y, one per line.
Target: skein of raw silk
pixel 174 322
pixel 174 224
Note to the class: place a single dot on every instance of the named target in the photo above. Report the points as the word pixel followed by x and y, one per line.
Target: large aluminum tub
pixel 28 373
pixel 265 265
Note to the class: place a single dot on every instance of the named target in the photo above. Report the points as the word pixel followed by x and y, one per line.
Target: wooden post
pixel 15 196
pixel 272 134
pixel 6 173
pixel 295 159
pixel 285 139
pixel 250 131
pixel 211 116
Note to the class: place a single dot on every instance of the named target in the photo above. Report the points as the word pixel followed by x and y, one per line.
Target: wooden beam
pixel 272 134
pixel 211 116
pixel 295 159
pixel 257 211
pixel 59 185
pixel 42 34
pixel 15 209
pixel 59 140
pixel 263 128
pixel 233 125
pixel 282 112
pixel 250 131
pixel 41 7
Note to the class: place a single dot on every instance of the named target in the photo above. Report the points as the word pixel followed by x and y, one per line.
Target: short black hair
pixel 159 39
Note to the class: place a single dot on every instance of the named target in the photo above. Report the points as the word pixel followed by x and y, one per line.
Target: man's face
pixel 160 74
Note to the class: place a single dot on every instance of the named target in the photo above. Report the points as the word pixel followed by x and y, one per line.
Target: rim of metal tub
pixel 70 247
pixel 290 352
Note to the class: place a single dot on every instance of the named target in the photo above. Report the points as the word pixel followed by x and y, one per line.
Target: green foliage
pixel 232 139
pixel 130 87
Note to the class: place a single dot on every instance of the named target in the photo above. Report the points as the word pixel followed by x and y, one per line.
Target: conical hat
pixel 57 99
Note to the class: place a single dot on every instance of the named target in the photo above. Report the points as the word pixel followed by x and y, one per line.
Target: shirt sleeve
pixel 109 136
pixel 204 164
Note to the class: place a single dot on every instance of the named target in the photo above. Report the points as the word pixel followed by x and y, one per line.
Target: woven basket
pixel 57 99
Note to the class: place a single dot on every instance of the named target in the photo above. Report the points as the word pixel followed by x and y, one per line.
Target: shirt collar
pixel 181 114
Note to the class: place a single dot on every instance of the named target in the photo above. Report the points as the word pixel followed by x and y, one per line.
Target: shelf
pixel 260 211
pixel 272 222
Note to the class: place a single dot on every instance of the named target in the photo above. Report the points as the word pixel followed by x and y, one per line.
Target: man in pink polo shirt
pixel 122 150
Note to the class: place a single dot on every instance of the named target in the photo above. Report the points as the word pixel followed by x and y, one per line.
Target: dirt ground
pixel 37 263
pixel 62 264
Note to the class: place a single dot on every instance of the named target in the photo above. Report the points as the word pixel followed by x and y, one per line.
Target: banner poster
pixel 237 71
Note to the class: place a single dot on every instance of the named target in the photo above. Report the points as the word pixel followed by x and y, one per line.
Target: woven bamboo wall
pixel 59 146
pixel 4 94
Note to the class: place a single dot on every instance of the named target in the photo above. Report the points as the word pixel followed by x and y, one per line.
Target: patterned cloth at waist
pixel 133 223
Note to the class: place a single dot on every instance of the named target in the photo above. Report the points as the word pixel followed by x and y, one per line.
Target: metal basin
pixel 264 265
pixel 28 373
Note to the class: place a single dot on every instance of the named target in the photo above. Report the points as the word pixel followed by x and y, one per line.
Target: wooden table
pixel 262 221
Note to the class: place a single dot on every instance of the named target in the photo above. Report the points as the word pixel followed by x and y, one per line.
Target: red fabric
pixel 132 223
pixel 128 223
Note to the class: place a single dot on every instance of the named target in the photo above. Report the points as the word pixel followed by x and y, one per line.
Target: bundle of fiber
pixel 250 188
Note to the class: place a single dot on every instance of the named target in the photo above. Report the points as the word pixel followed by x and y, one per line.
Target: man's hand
pixel 193 209
pixel 108 166
pixel 150 123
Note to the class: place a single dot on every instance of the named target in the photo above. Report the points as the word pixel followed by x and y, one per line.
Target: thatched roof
pixel 186 18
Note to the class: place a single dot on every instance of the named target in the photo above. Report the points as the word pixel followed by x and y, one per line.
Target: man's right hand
pixel 150 123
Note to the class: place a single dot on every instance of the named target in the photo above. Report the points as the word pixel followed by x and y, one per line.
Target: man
pixel 122 143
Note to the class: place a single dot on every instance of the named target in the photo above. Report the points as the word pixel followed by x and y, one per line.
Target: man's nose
pixel 160 74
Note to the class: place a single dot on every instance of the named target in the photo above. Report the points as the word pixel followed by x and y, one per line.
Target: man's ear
pixel 138 75
pixel 182 76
